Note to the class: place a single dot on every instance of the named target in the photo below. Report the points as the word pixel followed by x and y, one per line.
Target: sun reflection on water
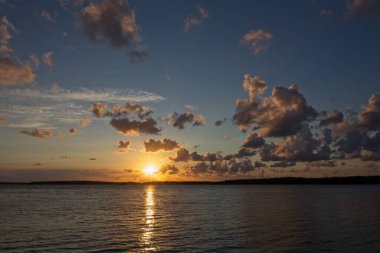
pixel 148 230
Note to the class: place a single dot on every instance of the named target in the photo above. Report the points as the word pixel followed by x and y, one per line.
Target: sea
pixel 189 218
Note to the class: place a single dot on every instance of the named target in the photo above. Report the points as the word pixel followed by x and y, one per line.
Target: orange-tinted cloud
pixel 38 132
pixel 48 59
pixel 259 40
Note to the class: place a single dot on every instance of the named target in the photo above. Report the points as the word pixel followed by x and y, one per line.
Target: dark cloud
pixel 180 120
pixel 137 56
pixel 165 144
pixel 216 163
pixel 243 152
pixel 282 114
pixel 132 127
pixel 254 141
pixel 301 147
pixel 128 119
pixel 110 22
pixel 183 155
pixel 350 142
pixel 220 122
pixel 169 169
pixel 73 131
pixel 123 146
pixel 38 132
pixel 283 164
pixel 330 117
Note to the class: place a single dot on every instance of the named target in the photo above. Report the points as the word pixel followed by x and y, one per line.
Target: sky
pixel 141 90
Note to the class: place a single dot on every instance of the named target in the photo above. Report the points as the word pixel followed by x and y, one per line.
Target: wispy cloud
pixel 259 40
pixel 37 108
pixel 196 20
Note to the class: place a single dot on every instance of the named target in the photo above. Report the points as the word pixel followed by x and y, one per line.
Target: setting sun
pixel 150 169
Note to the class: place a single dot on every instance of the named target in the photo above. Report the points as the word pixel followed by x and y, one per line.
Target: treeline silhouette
pixel 255 181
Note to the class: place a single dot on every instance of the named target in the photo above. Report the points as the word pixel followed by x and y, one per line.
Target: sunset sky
pixel 188 90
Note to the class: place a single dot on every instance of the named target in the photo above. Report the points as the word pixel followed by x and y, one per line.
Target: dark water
pixel 189 218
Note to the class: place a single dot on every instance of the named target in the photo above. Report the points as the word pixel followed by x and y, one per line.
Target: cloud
pixel 244 152
pixel 220 122
pixel 45 15
pixel 254 141
pixel 73 131
pixel 169 169
pixel 38 132
pixel 12 70
pixel 183 155
pixel 137 56
pixel 362 8
pixel 37 164
pixel 84 122
pixel 196 20
pixel 123 146
pixel 370 156
pixel 281 114
pixel 216 163
pixel 259 40
pixel 165 145
pixel 6 31
pixel 48 59
pixel 41 108
pixel 301 147
pixel 98 109
pixel 181 120
pixel 35 62
pixel 128 118
pixel 330 117
pixel 134 127
pixel 283 164
pixel 191 107
pixel 370 118
pixel 110 22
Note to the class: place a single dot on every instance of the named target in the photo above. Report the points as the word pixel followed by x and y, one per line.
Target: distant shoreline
pixel 257 181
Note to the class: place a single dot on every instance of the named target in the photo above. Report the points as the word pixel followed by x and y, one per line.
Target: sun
pixel 150 169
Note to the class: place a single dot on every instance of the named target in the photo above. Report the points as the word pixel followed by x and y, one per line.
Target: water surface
pixel 190 218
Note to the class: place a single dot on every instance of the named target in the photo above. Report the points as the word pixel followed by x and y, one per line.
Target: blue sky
pixel 328 48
